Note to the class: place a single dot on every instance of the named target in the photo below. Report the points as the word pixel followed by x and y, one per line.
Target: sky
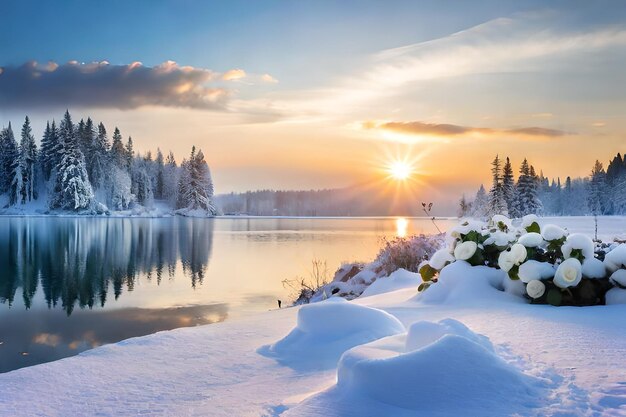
pixel 322 94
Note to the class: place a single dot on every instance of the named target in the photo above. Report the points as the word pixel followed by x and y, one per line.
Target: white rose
pixel 465 250
pixel 531 240
pixel 568 274
pixel 535 288
pixel 505 261
pixel 619 276
pixel 518 253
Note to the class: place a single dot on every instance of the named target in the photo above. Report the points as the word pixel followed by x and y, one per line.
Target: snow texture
pixel 325 330
pixel 398 280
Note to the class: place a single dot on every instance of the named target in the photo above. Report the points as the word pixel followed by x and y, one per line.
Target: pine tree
pixel 480 206
pixel 118 153
pixel 195 185
pixel 508 185
pixel 171 179
pixel 24 181
pixel 8 157
pixel 98 159
pixel 597 184
pixel 129 153
pixel 72 190
pixel 158 183
pixel 497 203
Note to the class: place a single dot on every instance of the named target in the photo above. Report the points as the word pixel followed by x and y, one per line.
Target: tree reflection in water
pixel 78 261
pixel 85 262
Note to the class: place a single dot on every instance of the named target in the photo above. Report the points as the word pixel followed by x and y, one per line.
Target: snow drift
pixel 435 367
pixel 327 329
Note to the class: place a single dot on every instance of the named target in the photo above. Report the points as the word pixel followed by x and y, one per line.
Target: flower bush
pixel 554 267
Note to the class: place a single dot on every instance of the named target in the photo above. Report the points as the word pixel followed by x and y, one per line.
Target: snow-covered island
pixel 76 170
pixel 478 340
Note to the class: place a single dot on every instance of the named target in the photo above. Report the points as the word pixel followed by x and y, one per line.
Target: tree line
pixel 77 168
pixel 603 192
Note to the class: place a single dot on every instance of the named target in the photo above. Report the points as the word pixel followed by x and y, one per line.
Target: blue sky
pixel 308 94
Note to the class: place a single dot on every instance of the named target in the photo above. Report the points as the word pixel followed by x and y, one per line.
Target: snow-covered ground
pixel 462 348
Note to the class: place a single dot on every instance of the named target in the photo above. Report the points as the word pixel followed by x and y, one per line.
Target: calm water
pixel 70 284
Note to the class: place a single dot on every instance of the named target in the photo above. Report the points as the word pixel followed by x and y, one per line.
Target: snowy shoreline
pixel 215 369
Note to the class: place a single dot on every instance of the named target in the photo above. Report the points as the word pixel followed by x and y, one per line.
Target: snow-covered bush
pixel 555 267
pixel 406 253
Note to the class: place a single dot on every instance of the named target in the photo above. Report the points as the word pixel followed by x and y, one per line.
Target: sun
pixel 400 170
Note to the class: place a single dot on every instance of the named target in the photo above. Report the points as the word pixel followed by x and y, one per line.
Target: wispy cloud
pixel 103 85
pixel 448 130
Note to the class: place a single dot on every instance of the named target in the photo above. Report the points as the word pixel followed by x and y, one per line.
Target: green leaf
pixel 534 227
pixel 514 273
pixel 473 236
pixel 554 297
pixel 423 286
pixel 578 254
pixel 427 272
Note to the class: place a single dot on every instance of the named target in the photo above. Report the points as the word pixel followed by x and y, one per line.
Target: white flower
pixel 529 219
pixel 619 276
pixel 535 270
pixel 465 250
pixel 518 253
pixel 568 274
pixel 580 242
pixel 531 240
pixel 535 288
pixel 505 261
pixel 552 232
pixel 440 259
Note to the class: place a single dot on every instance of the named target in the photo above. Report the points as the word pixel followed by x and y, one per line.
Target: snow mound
pixel 326 329
pixel 442 366
pixel 398 280
pixel 461 284
pixel 616 258
pixel 578 241
pixel 552 232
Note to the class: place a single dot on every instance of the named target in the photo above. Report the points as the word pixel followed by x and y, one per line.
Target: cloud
pixel 103 85
pixel 234 74
pixel 444 129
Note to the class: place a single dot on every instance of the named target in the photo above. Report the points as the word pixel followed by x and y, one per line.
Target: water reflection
pixel 28 340
pixel 402 227
pixel 78 262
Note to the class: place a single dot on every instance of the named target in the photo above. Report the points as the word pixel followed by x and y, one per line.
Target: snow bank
pixel 398 280
pixel 460 283
pixel 326 329
pixel 441 366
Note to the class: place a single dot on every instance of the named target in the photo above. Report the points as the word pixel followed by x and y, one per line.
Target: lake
pixel 69 284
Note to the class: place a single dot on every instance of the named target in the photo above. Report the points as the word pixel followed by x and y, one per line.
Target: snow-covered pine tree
pixel 158 177
pixel 23 185
pixel 508 185
pixel 8 158
pixel 98 159
pixel 195 185
pixel 480 206
pixel 141 184
pixel 535 204
pixel 129 153
pixel 72 190
pixel 597 185
pixel 171 175
pixel 527 199
pixel 46 152
pixel 118 153
pixel 497 202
